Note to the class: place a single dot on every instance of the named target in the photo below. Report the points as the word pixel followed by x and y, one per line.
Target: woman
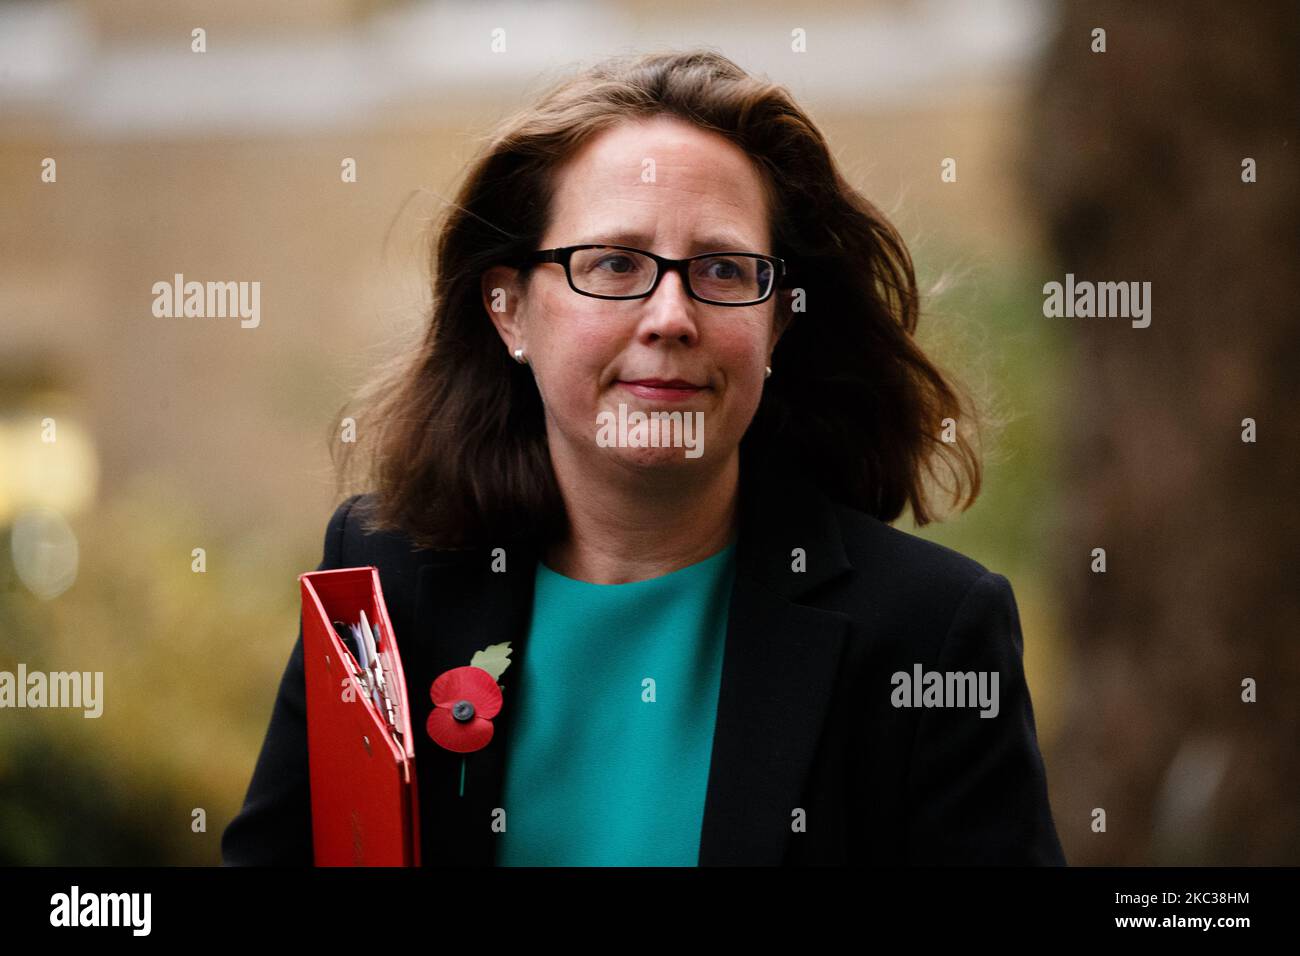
pixel 714 634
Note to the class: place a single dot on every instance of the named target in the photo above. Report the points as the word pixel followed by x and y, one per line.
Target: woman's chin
pixel 652 440
pixel 658 459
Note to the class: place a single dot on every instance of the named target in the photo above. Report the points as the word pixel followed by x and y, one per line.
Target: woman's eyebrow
pixel 711 243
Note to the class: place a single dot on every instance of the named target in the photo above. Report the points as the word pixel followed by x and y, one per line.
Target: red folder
pixel 364 807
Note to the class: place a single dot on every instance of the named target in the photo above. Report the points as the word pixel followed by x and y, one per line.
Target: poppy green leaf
pixel 494 659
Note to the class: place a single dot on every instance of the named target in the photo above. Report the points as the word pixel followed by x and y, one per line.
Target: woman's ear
pixel 502 291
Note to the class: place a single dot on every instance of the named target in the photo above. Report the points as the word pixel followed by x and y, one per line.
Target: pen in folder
pixel 391 686
pixel 368 664
pixel 382 700
pixel 360 643
pixel 348 638
pixel 378 654
pixel 383 641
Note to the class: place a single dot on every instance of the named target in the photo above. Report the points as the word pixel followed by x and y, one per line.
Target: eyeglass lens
pixel 618 272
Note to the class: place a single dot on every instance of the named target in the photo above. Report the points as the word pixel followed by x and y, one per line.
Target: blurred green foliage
pixel 987 328
pixel 191 663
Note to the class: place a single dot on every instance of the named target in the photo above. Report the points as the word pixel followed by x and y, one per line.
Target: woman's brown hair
pixel 454 436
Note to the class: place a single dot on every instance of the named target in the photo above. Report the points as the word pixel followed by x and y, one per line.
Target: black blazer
pixel 805 718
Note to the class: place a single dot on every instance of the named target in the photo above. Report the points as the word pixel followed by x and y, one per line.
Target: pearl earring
pixel 519 357
pixel 767 371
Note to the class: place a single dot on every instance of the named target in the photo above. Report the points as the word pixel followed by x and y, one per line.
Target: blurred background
pixel 172 435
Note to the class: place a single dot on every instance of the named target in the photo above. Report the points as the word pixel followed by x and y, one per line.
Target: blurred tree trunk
pixel 1136 162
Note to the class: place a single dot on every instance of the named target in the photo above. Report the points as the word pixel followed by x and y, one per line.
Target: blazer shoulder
pixel 355 540
pixel 871 544
pixel 358 542
pixel 336 533
pixel 914 586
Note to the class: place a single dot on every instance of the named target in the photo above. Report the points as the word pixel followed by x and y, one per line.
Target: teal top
pixel 609 759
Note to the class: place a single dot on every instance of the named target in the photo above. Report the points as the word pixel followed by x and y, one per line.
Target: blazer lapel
pixel 779 665
pixel 462 607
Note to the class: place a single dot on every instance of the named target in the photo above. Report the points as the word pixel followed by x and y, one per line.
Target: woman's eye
pixel 729 269
pixel 621 263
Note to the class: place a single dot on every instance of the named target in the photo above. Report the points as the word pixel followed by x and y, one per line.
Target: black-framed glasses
pixel 622 272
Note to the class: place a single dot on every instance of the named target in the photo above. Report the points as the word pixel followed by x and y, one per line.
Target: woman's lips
pixel 675 390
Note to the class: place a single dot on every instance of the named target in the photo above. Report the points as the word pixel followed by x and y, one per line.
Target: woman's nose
pixel 670 311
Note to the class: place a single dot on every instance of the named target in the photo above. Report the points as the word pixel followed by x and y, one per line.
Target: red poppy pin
pixel 465 699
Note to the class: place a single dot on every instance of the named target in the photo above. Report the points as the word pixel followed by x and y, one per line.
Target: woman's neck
pixel 633 530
